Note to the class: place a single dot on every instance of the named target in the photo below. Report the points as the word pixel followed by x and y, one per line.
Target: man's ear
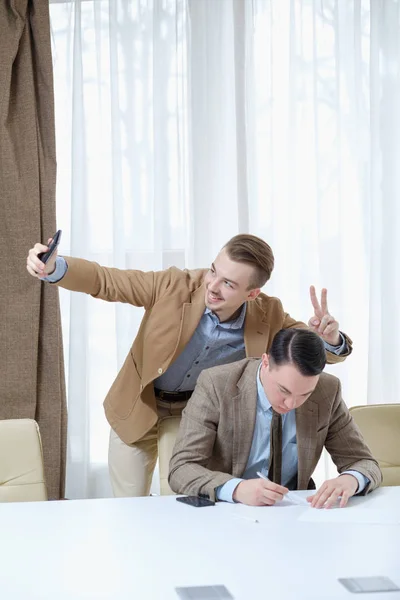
pixel 265 361
pixel 253 294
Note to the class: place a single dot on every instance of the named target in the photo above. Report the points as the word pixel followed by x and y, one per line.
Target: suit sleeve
pixel 346 445
pixel 331 357
pixel 135 287
pixel 188 472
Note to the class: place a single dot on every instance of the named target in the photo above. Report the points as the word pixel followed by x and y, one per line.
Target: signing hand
pixel 35 266
pixel 259 492
pixel 322 322
pixel 330 491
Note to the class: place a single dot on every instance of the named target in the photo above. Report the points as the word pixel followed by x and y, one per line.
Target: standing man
pixel 194 319
pixel 271 416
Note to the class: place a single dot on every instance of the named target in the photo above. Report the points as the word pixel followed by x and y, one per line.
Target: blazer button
pixel 160 371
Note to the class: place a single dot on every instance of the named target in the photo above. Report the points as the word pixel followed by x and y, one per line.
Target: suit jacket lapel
pixel 191 314
pixel 244 406
pixel 256 330
pixel 306 433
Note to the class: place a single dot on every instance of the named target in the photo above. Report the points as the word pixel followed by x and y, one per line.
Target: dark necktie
pixel 275 455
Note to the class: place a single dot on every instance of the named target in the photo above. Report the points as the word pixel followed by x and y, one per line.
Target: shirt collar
pixel 263 401
pixel 235 324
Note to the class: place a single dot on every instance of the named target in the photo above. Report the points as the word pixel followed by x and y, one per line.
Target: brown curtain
pixel 31 359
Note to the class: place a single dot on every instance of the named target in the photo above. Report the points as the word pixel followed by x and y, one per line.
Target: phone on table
pixel 196 501
pixel 44 256
pixel 363 585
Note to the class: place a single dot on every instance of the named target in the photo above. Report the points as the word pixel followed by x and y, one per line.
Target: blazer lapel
pixel 244 406
pixel 256 330
pixel 191 314
pixel 306 433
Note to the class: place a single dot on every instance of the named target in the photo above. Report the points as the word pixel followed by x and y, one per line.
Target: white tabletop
pixel 143 548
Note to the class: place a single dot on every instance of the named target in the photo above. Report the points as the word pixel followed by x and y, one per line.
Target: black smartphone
pixel 44 256
pixel 195 501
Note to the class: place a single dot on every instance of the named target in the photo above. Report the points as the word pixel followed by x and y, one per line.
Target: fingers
pixel 314 323
pixel 321 496
pixel 271 497
pixel 333 497
pixel 34 265
pixel 33 273
pixel 37 248
pixel 324 300
pixel 258 492
pixel 332 328
pixel 272 492
pixel 345 498
pixel 275 487
pixel 314 300
pixel 319 309
pixel 326 321
pixel 329 494
pixel 315 497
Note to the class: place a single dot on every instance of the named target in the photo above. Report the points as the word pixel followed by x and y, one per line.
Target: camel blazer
pixel 216 432
pixel 174 301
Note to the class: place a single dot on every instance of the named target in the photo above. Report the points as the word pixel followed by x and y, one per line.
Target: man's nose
pixel 213 286
pixel 290 403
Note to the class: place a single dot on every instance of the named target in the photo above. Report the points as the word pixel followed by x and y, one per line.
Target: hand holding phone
pixel 41 259
pixel 45 256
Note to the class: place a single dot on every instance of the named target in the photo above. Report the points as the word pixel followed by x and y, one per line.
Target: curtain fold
pixel 31 359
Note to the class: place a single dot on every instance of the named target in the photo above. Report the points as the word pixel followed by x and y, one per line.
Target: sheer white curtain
pixel 181 123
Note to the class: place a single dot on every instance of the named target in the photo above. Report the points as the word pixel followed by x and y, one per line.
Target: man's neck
pixel 232 317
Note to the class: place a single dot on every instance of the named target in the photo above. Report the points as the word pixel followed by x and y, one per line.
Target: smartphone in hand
pixel 44 256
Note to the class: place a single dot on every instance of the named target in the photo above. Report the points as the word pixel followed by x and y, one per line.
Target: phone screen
pixel 195 501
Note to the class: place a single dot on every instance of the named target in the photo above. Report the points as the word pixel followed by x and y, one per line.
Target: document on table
pixel 293 498
pixel 350 514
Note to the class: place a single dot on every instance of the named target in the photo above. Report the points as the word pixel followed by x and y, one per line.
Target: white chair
pixel 21 462
pixel 380 427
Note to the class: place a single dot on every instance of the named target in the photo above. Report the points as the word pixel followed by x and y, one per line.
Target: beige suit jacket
pixel 174 301
pixel 216 432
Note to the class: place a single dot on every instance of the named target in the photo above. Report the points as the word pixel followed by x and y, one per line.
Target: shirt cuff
pixel 338 350
pixel 362 480
pixel 224 492
pixel 59 271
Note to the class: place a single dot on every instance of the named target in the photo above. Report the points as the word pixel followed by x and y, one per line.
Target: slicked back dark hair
pixel 302 348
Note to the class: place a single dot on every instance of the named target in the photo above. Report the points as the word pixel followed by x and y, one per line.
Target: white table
pixel 143 548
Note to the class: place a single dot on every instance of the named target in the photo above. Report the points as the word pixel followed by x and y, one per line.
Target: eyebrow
pixel 289 392
pixel 224 278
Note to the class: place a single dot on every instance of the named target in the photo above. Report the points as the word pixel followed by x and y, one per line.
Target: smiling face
pixel 285 387
pixel 227 286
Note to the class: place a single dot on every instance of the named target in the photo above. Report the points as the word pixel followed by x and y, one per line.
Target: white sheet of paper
pixel 293 498
pixel 350 514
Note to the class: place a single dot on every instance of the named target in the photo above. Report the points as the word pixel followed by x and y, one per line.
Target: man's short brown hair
pixel 252 250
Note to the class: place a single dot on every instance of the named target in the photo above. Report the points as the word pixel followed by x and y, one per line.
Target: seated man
pixel 271 416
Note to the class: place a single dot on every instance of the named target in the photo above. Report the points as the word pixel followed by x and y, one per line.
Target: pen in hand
pixel 289 495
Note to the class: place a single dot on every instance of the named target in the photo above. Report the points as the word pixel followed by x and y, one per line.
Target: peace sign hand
pixel 322 322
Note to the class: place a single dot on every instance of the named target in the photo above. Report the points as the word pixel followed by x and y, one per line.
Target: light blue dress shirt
pixel 59 271
pixel 213 343
pixel 260 447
